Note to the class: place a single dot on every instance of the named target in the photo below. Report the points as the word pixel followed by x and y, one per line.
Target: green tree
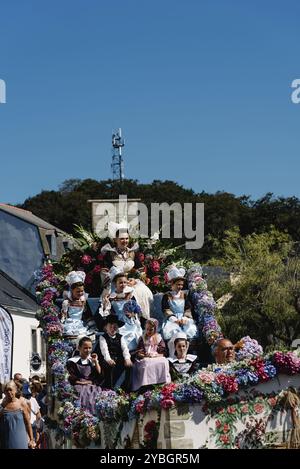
pixel 265 286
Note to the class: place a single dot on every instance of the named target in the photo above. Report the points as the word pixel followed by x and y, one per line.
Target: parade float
pixel 250 403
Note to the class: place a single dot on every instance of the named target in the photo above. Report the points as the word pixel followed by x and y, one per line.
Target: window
pixel 33 340
pixel 43 348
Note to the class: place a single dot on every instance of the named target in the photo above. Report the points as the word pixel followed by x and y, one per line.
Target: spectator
pixel 223 351
pixel 15 428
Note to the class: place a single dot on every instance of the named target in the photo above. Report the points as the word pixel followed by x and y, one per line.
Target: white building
pixel 25 242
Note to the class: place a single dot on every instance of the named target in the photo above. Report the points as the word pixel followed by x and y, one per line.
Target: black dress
pixel 83 370
pixel 181 369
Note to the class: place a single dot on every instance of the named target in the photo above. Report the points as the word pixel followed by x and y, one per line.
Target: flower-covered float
pixel 252 402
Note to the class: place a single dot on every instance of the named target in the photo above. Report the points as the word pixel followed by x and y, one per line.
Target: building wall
pixel 24 324
pixel 21 251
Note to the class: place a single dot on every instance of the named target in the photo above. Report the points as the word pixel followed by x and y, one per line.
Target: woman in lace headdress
pixel 120 254
pixel 151 366
pixel 176 307
pixel 74 305
pixel 182 363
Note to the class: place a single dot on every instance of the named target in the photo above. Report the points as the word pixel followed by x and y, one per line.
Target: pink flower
pixel 231 410
pixel 140 407
pixel 245 409
pixel 86 259
pixel 259 408
pixel 167 403
pixel 224 439
pixel 226 428
pixel 97 269
pixel 206 376
pixel 155 266
pixel 218 424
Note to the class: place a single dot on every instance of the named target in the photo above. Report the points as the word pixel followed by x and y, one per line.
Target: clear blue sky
pixel 201 90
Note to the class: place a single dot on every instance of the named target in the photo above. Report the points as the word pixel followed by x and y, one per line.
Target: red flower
pixel 167 403
pixel 231 410
pixel 245 409
pixel 140 407
pixel 259 408
pixel 150 426
pixel 218 424
pixel 155 266
pixel 86 259
pixel 224 439
pixel 100 257
pixel 156 281
pixel 226 428
pixel 97 269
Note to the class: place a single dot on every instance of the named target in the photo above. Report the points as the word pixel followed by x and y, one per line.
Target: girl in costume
pixel 182 364
pixel 85 374
pixel 151 366
pixel 123 304
pixel 74 305
pixel 176 307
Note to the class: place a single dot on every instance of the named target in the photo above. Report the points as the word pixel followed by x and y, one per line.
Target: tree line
pixel 222 210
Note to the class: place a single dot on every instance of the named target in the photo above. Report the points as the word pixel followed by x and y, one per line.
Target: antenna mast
pixel 117 165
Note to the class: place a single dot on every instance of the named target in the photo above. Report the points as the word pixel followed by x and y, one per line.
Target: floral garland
pixel 204 306
pixel 153 255
pixel 211 385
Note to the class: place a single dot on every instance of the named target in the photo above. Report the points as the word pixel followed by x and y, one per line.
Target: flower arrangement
pixel 247 348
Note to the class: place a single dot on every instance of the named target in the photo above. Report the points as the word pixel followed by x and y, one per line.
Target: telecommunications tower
pixel 117 164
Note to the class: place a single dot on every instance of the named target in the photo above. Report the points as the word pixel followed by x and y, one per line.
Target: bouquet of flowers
pixel 247 348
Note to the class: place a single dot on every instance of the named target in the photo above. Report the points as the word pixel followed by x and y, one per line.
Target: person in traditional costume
pixel 73 306
pixel 142 293
pixel 122 303
pixel 182 364
pixel 85 374
pixel 120 254
pixel 114 355
pixel 176 307
pixel 151 366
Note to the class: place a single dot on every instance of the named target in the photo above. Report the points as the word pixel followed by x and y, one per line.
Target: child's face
pixel 85 349
pixel 149 329
pixel 77 292
pixel 121 283
pixel 111 329
pixel 177 286
pixel 181 349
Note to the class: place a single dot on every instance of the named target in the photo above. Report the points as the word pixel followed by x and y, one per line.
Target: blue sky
pixel 201 89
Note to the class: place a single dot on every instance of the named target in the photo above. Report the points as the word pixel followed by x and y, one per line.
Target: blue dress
pixel 12 430
pixel 177 303
pixel 132 330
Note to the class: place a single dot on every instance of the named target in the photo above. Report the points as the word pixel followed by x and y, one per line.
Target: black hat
pixel 113 319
